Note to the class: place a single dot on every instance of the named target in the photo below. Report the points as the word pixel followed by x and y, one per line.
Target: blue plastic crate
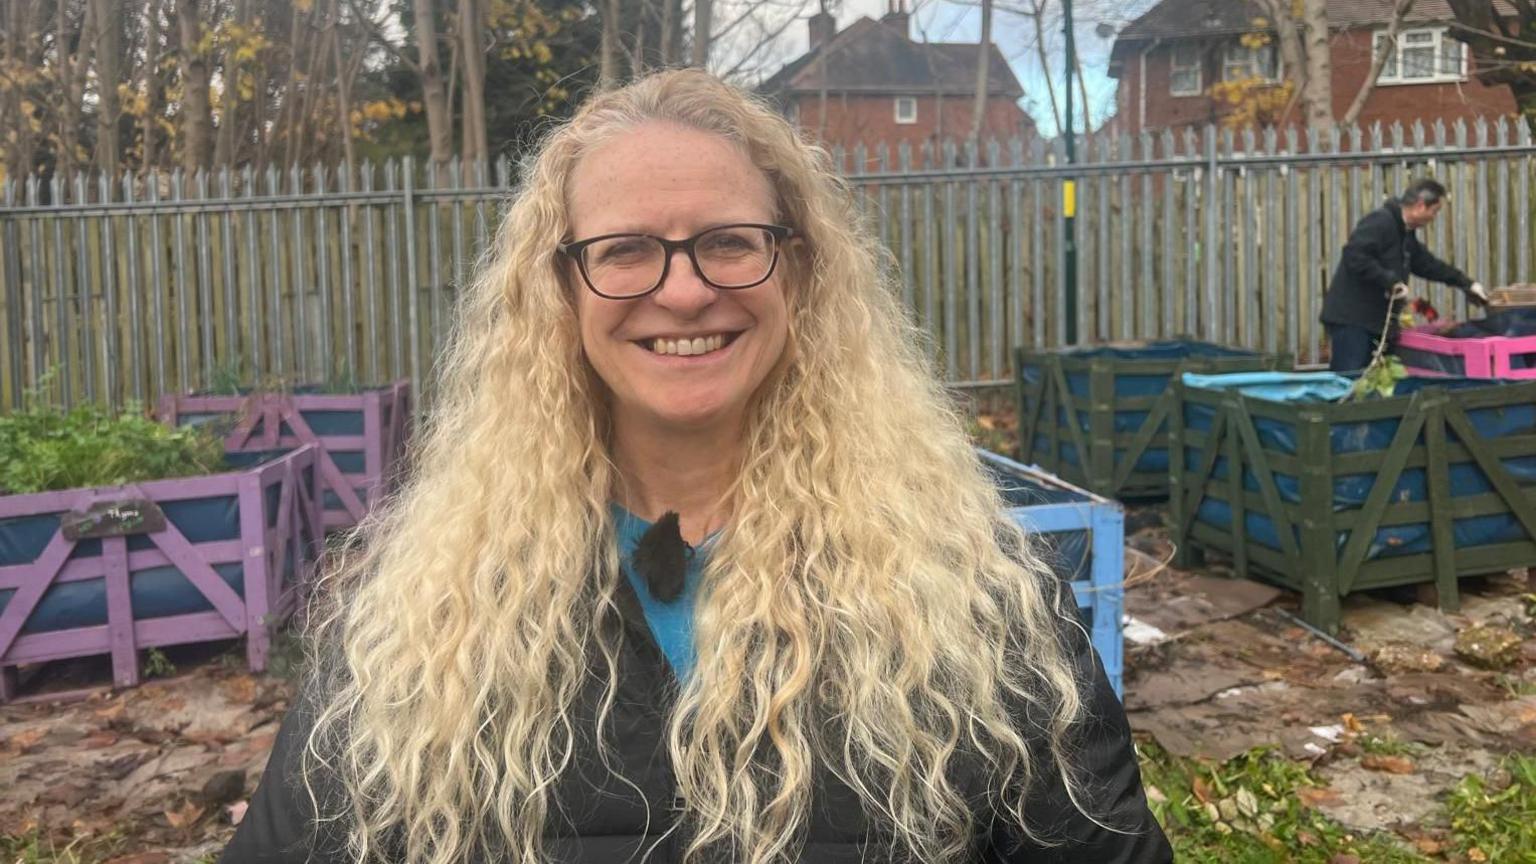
pixel 1085 536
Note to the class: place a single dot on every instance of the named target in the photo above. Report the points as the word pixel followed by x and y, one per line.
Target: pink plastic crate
pixel 1489 357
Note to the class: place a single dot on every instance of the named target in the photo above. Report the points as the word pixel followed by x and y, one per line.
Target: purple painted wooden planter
pixel 114 570
pixel 361 436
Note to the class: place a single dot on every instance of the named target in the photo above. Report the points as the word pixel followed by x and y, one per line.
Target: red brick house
pixel 1167 60
pixel 871 83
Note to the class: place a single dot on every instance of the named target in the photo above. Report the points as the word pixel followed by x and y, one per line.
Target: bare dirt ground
pixel 160 773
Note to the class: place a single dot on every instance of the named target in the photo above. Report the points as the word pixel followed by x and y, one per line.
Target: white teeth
pixel 688 347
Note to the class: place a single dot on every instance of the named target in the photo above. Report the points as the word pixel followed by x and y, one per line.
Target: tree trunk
pixel 196 108
pixel 229 103
pixel 1319 85
pixel 67 113
pixel 434 95
pixel 1045 64
pixel 671 19
pixel 703 13
pixel 608 64
pixel 344 76
pixel 109 60
pixel 983 64
pixel 151 129
pixel 471 24
pixel 1504 48
pixel 23 46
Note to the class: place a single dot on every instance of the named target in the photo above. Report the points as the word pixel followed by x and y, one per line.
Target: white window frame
pixel 905 118
pixel 1175 68
pixel 1252 65
pixel 1438 39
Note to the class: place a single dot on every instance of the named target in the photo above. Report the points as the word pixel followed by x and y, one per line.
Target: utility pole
pixel 1069 187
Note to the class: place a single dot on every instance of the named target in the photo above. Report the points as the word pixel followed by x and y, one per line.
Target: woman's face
pixel 674 182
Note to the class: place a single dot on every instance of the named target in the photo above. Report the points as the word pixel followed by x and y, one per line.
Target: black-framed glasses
pixel 626 266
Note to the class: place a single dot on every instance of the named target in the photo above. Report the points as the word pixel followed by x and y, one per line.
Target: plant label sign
pixel 113 519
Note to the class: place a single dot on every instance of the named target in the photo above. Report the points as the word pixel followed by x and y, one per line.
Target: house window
pixel 1421 56
pixel 1184 75
pixel 906 110
pixel 1242 62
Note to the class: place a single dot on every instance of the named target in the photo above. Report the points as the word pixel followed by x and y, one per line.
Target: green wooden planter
pixel 1112 403
pixel 1432 485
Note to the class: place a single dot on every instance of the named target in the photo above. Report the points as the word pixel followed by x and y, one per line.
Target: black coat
pixel 606 821
pixel 1382 251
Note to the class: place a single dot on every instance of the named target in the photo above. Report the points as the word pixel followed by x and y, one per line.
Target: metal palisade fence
pixel 149 284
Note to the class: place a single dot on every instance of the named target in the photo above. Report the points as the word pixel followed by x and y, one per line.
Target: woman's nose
pixel 683 290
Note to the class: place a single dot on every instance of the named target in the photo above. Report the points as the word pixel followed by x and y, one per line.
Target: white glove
pixel 1400 291
pixel 1477 290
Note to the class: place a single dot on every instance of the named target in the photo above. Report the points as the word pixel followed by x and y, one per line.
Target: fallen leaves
pixel 1387 763
pixel 184 816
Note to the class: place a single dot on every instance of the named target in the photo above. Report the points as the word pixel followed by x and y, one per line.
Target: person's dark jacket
pixel 605 820
pixel 1382 251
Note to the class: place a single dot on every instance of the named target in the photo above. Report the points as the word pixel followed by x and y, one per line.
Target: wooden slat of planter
pixel 1318 574
pixel 1523 507
pixel 21 604
pixel 148 633
pixel 1158 413
pixel 1271 495
pixel 120 635
pixel 1376 502
pixel 81 569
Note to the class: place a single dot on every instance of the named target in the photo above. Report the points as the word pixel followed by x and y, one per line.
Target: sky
pixel 949 21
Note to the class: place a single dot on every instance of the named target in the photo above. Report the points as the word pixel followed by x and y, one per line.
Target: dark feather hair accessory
pixel 661 558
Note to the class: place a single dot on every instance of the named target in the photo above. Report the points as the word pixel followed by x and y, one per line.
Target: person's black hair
pixel 1426 189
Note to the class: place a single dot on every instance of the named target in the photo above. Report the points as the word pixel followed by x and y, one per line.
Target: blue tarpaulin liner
pixel 1127 384
pixel 323 424
pixel 154 592
pixel 1507 322
pixel 1066 552
pixel 1278 386
pixel 1350 491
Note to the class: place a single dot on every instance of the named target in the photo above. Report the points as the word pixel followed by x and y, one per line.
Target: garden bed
pixel 1098 416
pixel 360 437
pixel 120 569
pixel 1084 536
pixel 1433 484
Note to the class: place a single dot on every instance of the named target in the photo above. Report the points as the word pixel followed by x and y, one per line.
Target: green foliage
pixel 1495 820
pixel 157 665
pixel 1250 810
pixel 45 448
pixel 1379 379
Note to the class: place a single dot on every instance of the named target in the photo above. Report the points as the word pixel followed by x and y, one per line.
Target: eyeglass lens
pixel 632 264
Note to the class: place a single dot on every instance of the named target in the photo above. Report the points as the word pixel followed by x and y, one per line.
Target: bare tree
pixel 983 63
pixel 608 63
pixel 1400 10
pixel 109 54
pixel 473 136
pixel 434 95
pixel 703 20
pixel 152 86
pixel 196 106
pixel 1305 54
pixel 1504 47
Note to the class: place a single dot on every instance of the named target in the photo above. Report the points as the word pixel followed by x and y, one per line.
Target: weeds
pixel 1495 819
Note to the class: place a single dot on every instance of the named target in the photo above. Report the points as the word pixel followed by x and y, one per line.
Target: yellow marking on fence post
pixel 1069 199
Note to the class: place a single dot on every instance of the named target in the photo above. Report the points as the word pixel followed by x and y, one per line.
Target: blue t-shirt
pixel 671 623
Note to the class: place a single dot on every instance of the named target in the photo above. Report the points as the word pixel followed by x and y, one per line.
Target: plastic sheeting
pixel 1507 322
pixel 1278 386
pixel 1068 553
pixel 1350 491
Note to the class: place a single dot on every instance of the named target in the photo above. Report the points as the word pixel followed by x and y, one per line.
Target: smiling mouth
pixel 688 347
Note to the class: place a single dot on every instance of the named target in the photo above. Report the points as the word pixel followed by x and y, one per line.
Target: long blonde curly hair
pixel 869 612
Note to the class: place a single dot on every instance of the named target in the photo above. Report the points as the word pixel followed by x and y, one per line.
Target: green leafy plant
pixel 46 448
pixel 1379 379
pixel 1495 819
pixel 1252 810
pixel 157 665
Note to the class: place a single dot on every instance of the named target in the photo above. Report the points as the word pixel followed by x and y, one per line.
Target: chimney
pixel 822 27
pixel 896 17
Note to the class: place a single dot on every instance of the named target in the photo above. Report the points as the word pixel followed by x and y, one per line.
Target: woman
pixel 863 661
